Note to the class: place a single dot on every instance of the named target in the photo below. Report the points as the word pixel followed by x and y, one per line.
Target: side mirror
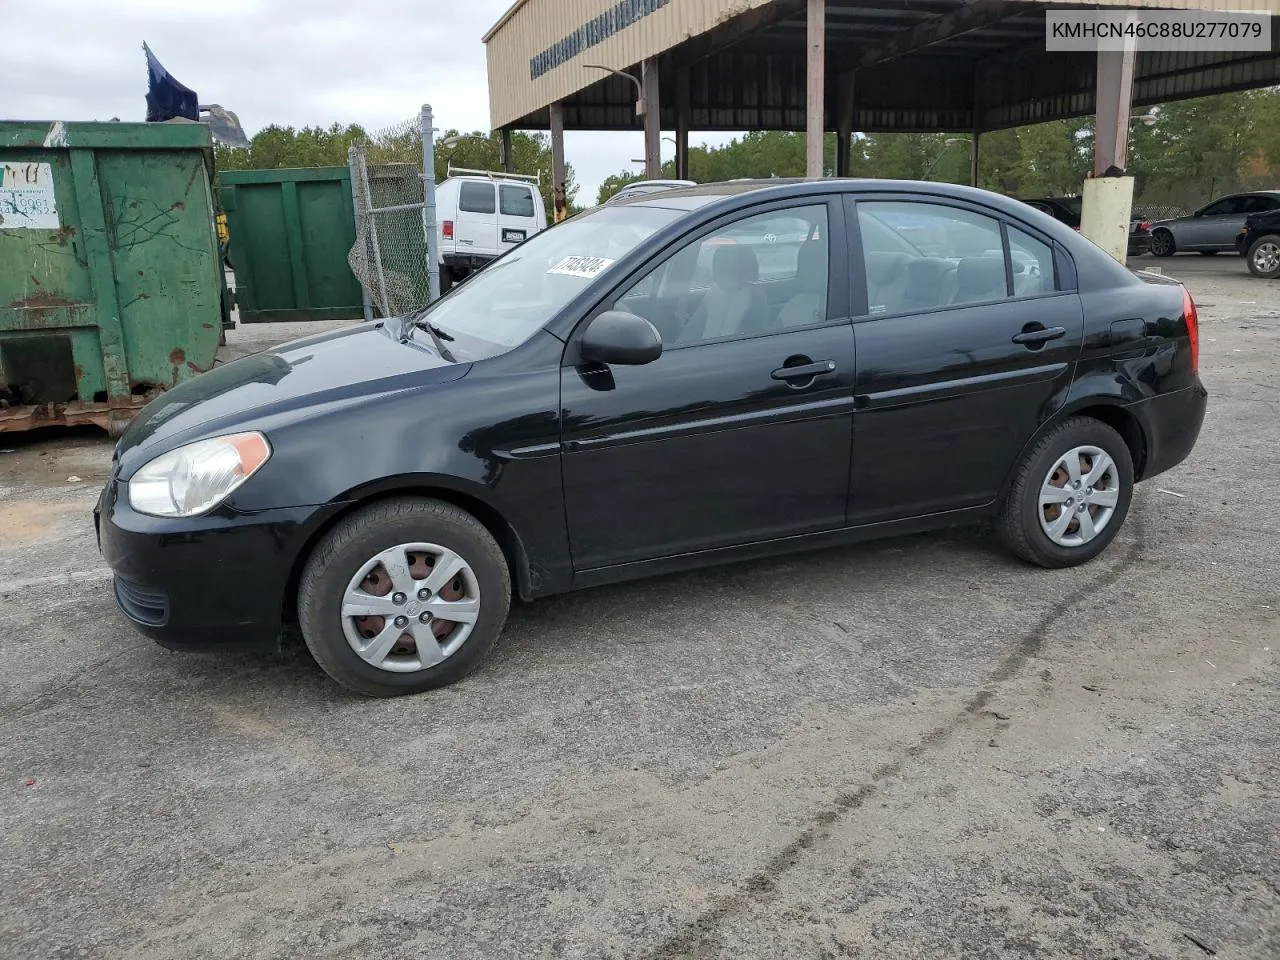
pixel 616 336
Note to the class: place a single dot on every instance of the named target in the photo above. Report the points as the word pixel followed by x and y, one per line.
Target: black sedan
pixel 1067 210
pixel 716 373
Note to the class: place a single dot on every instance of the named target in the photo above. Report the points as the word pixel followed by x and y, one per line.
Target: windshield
pixel 507 301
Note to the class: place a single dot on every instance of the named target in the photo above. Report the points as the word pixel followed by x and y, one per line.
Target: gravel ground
pixel 918 748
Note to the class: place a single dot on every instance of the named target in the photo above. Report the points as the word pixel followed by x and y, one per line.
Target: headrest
pixel 980 275
pixel 811 263
pixel 885 267
pixel 734 266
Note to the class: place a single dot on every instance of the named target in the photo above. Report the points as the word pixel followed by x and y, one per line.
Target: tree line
pixel 1196 150
pixel 280 146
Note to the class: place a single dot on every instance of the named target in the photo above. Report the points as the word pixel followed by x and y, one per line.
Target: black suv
pixel 1259 242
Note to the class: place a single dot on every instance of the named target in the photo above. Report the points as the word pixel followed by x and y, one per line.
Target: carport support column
pixel 844 124
pixel 652 119
pixel 557 161
pixel 1108 195
pixel 815 100
pixel 508 158
pixel 684 116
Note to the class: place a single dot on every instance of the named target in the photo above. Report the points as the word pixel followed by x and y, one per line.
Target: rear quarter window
pixel 515 201
pixel 476 198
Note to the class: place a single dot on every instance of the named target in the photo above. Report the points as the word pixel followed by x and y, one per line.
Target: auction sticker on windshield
pixel 586 267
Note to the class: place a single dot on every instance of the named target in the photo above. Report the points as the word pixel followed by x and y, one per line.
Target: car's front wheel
pixel 1070 495
pixel 1162 244
pixel 403 596
pixel 1264 257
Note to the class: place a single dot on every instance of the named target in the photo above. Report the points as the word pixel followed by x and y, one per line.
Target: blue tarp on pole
pixel 166 97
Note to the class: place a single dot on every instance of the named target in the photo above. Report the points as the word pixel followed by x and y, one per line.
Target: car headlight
pixel 197 477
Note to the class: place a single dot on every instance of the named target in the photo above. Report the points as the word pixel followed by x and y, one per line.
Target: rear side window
pixel 925 256
pixel 1032 264
pixel 476 198
pixel 1260 204
pixel 515 201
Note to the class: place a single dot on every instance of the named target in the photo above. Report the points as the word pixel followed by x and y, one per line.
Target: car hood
pixel 311 374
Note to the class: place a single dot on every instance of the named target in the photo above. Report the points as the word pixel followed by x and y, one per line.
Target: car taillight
pixel 1193 328
pixel 1145 226
pixel 447 229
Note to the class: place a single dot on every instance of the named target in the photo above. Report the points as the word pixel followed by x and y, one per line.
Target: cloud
pixel 295 62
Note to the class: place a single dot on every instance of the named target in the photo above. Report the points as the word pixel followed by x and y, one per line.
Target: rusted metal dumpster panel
pixel 110 277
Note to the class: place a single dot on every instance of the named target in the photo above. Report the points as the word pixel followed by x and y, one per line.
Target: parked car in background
pixel 482 215
pixel 1212 228
pixel 1259 242
pixel 1067 210
pixel 594 407
pixel 641 187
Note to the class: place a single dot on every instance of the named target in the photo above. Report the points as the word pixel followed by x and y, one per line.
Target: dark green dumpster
pixel 111 286
pixel 291 230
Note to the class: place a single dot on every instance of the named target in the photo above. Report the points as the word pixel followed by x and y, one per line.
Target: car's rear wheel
pixel 403 596
pixel 1070 495
pixel 1162 244
pixel 1264 257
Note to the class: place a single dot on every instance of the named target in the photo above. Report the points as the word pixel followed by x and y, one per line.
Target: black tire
pixel 366 533
pixel 1208 253
pixel 446 279
pixel 1271 240
pixel 1019 521
pixel 1162 244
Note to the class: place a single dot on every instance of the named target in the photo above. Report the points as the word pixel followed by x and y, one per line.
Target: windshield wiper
pixel 438 336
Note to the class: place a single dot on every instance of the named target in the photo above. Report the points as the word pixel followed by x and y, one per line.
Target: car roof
pixel 738 193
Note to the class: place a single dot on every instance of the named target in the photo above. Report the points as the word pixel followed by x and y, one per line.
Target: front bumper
pixel 217 581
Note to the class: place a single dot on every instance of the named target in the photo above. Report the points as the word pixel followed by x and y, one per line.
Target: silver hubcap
pixel 1267 256
pixel 410 607
pixel 1079 496
pixel 1161 242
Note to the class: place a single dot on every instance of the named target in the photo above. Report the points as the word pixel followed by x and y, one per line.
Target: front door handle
pixel 1034 336
pixel 804 371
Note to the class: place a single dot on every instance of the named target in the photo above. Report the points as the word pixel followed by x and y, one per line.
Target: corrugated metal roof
pixel 918 63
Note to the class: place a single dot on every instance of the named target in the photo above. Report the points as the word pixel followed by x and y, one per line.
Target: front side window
pixel 476 197
pixel 925 256
pixel 508 301
pixel 515 201
pixel 763 274
pixel 1227 206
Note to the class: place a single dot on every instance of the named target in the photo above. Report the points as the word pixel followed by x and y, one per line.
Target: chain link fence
pixel 389 257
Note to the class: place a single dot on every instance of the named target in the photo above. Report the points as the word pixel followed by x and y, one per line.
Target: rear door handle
pixel 1043 335
pixel 805 371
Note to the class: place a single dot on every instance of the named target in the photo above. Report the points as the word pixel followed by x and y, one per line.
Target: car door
pixel 476 229
pixel 1203 231
pixel 517 220
pixel 964 346
pixel 1255 203
pixel 740 430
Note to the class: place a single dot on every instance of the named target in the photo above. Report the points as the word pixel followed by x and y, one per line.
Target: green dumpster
pixel 111 285
pixel 291 230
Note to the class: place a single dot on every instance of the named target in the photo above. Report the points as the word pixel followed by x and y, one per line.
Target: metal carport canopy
pixel 898 65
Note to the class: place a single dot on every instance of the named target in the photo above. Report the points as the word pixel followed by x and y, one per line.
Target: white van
pixel 482 215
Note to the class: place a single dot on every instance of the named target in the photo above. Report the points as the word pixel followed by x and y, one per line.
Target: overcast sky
pixel 298 62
